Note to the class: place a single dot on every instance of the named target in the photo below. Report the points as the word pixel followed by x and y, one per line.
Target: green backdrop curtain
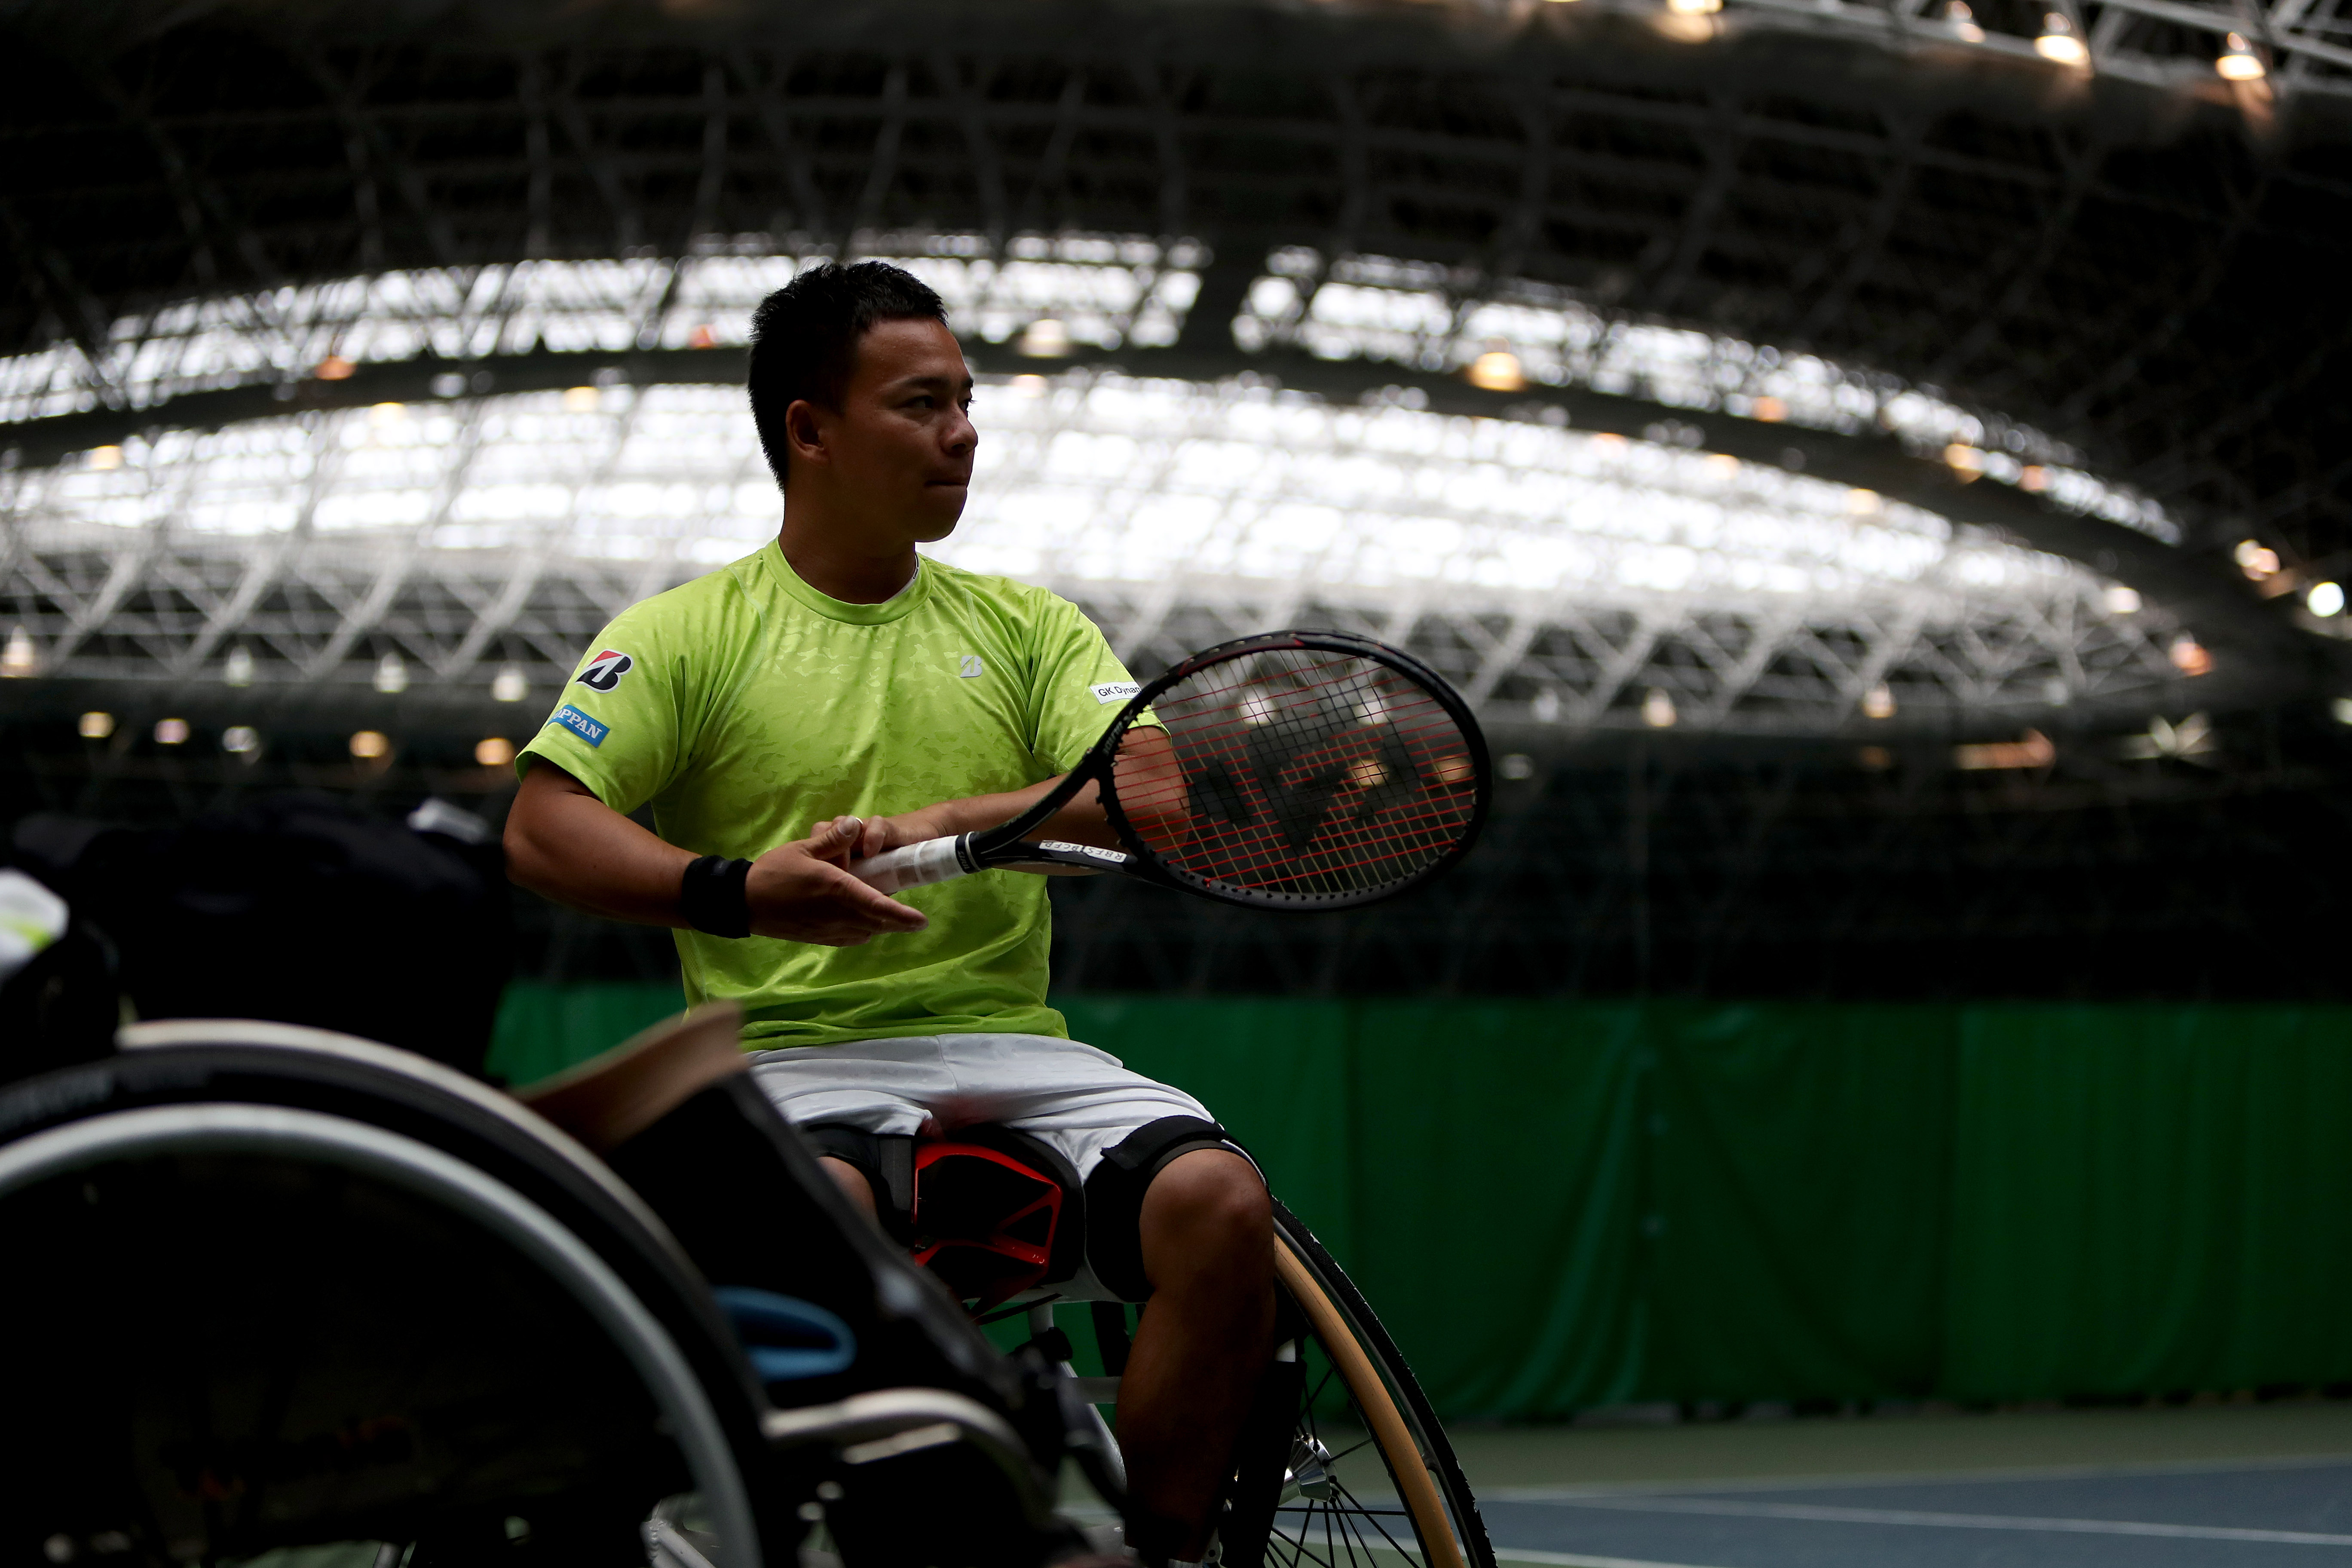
pixel 1558 1206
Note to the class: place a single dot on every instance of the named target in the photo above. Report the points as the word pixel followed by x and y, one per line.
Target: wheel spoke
pixel 1340 1488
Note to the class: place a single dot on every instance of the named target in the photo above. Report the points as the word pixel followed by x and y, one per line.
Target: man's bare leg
pixel 1208 1253
pixel 847 1177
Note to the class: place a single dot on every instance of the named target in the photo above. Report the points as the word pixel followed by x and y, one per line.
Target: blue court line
pixel 1578 1560
pixel 1826 1514
pixel 1843 1479
pixel 1565 1558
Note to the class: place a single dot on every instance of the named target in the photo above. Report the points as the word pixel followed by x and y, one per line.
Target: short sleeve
pixel 1080 684
pixel 618 725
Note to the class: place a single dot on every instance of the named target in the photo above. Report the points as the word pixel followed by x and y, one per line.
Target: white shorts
pixel 1072 1097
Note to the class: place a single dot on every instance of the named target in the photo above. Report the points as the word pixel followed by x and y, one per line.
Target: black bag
pixel 299 909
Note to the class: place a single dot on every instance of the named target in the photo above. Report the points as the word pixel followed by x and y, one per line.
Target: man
pixel 835 695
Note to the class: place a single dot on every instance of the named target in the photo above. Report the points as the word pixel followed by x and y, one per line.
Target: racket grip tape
pixel 916 865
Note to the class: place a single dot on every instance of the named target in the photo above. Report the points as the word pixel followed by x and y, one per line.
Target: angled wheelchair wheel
pixel 298 1289
pixel 1344 1464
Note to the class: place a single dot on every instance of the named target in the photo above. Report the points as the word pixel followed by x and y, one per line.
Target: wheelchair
pixel 276 1289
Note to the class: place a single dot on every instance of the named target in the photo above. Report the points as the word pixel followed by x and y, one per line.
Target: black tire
pixel 298 1142
pixel 1352 1395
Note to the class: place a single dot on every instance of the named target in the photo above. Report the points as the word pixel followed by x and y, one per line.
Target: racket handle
pixel 915 865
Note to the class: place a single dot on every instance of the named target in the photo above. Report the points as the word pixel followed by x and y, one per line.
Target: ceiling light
pixel 2237 61
pixel 2058 42
pixel 494 752
pixel 1770 410
pixel 1545 708
pixel 104 459
pixel 2188 656
pixel 705 336
pixel 370 744
pixel 1876 759
pixel 1030 385
pixel 2120 600
pixel 1694 7
pixel 237 670
pixel 2034 478
pixel 2256 561
pixel 1045 338
pixel 385 414
pixel 1964 21
pixel 1497 370
pixel 1966 462
pixel 391 675
pixel 510 685
pixel 171 731
pixel 95 726
pixel 2031 750
pixel 1658 709
pixel 1878 702
pixel 19 658
pixel 448 384
pixel 2192 738
pixel 242 739
pixel 582 400
pixel 2325 599
pixel 1517 765
pixel 334 367
pixel 2341 708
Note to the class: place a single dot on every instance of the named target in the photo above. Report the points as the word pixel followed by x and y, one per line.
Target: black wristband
pixel 710 896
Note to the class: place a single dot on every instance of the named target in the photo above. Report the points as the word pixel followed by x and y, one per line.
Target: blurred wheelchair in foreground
pixel 280 1287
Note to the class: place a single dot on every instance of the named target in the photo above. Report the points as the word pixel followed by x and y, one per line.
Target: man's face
pixel 900 448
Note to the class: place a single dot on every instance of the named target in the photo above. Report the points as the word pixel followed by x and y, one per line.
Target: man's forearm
pixel 1147 764
pixel 572 847
pixel 1081 821
pixel 565 843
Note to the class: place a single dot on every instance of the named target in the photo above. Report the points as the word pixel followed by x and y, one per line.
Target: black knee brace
pixel 1114 1194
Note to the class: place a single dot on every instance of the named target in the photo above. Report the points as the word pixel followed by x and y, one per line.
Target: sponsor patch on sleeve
pixel 1115 691
pixel 604 671
pixel 592 731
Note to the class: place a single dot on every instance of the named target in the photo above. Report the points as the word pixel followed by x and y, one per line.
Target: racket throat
pixel 1054 852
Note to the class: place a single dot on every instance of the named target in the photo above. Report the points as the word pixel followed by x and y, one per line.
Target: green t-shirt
pixel 747 708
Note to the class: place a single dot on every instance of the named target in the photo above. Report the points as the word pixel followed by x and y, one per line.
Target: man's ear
pixel 805 432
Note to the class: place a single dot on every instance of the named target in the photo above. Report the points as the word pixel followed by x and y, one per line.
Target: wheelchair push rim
pixel 1435 1518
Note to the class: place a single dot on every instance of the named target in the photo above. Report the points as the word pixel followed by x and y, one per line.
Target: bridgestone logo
pixel 604 671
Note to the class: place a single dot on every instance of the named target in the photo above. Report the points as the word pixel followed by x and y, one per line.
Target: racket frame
pixel 1149 867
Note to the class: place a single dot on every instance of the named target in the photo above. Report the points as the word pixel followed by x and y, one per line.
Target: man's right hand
pixel 802 893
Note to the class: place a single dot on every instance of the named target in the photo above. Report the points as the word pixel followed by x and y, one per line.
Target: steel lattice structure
pixel 2117 279
pixel 1348 200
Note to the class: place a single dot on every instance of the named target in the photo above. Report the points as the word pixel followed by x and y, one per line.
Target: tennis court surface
pixel 2085 1492
pixel 2165 1518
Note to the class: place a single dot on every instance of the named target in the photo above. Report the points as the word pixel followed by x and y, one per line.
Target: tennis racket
pixel 1311 771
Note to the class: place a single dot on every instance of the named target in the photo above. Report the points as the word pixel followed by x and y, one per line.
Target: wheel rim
pixel 1341 1527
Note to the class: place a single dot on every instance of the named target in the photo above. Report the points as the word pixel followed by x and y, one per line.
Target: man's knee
pixel 1209 1197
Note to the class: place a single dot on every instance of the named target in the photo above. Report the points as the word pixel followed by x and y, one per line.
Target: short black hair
pixel 804 338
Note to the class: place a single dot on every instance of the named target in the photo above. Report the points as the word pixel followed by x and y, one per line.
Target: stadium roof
pixel 1811 407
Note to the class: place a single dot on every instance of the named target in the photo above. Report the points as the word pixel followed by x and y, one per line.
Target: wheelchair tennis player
pixel 835 694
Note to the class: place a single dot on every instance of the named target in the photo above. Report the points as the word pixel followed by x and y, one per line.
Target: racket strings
pixel 1304 771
